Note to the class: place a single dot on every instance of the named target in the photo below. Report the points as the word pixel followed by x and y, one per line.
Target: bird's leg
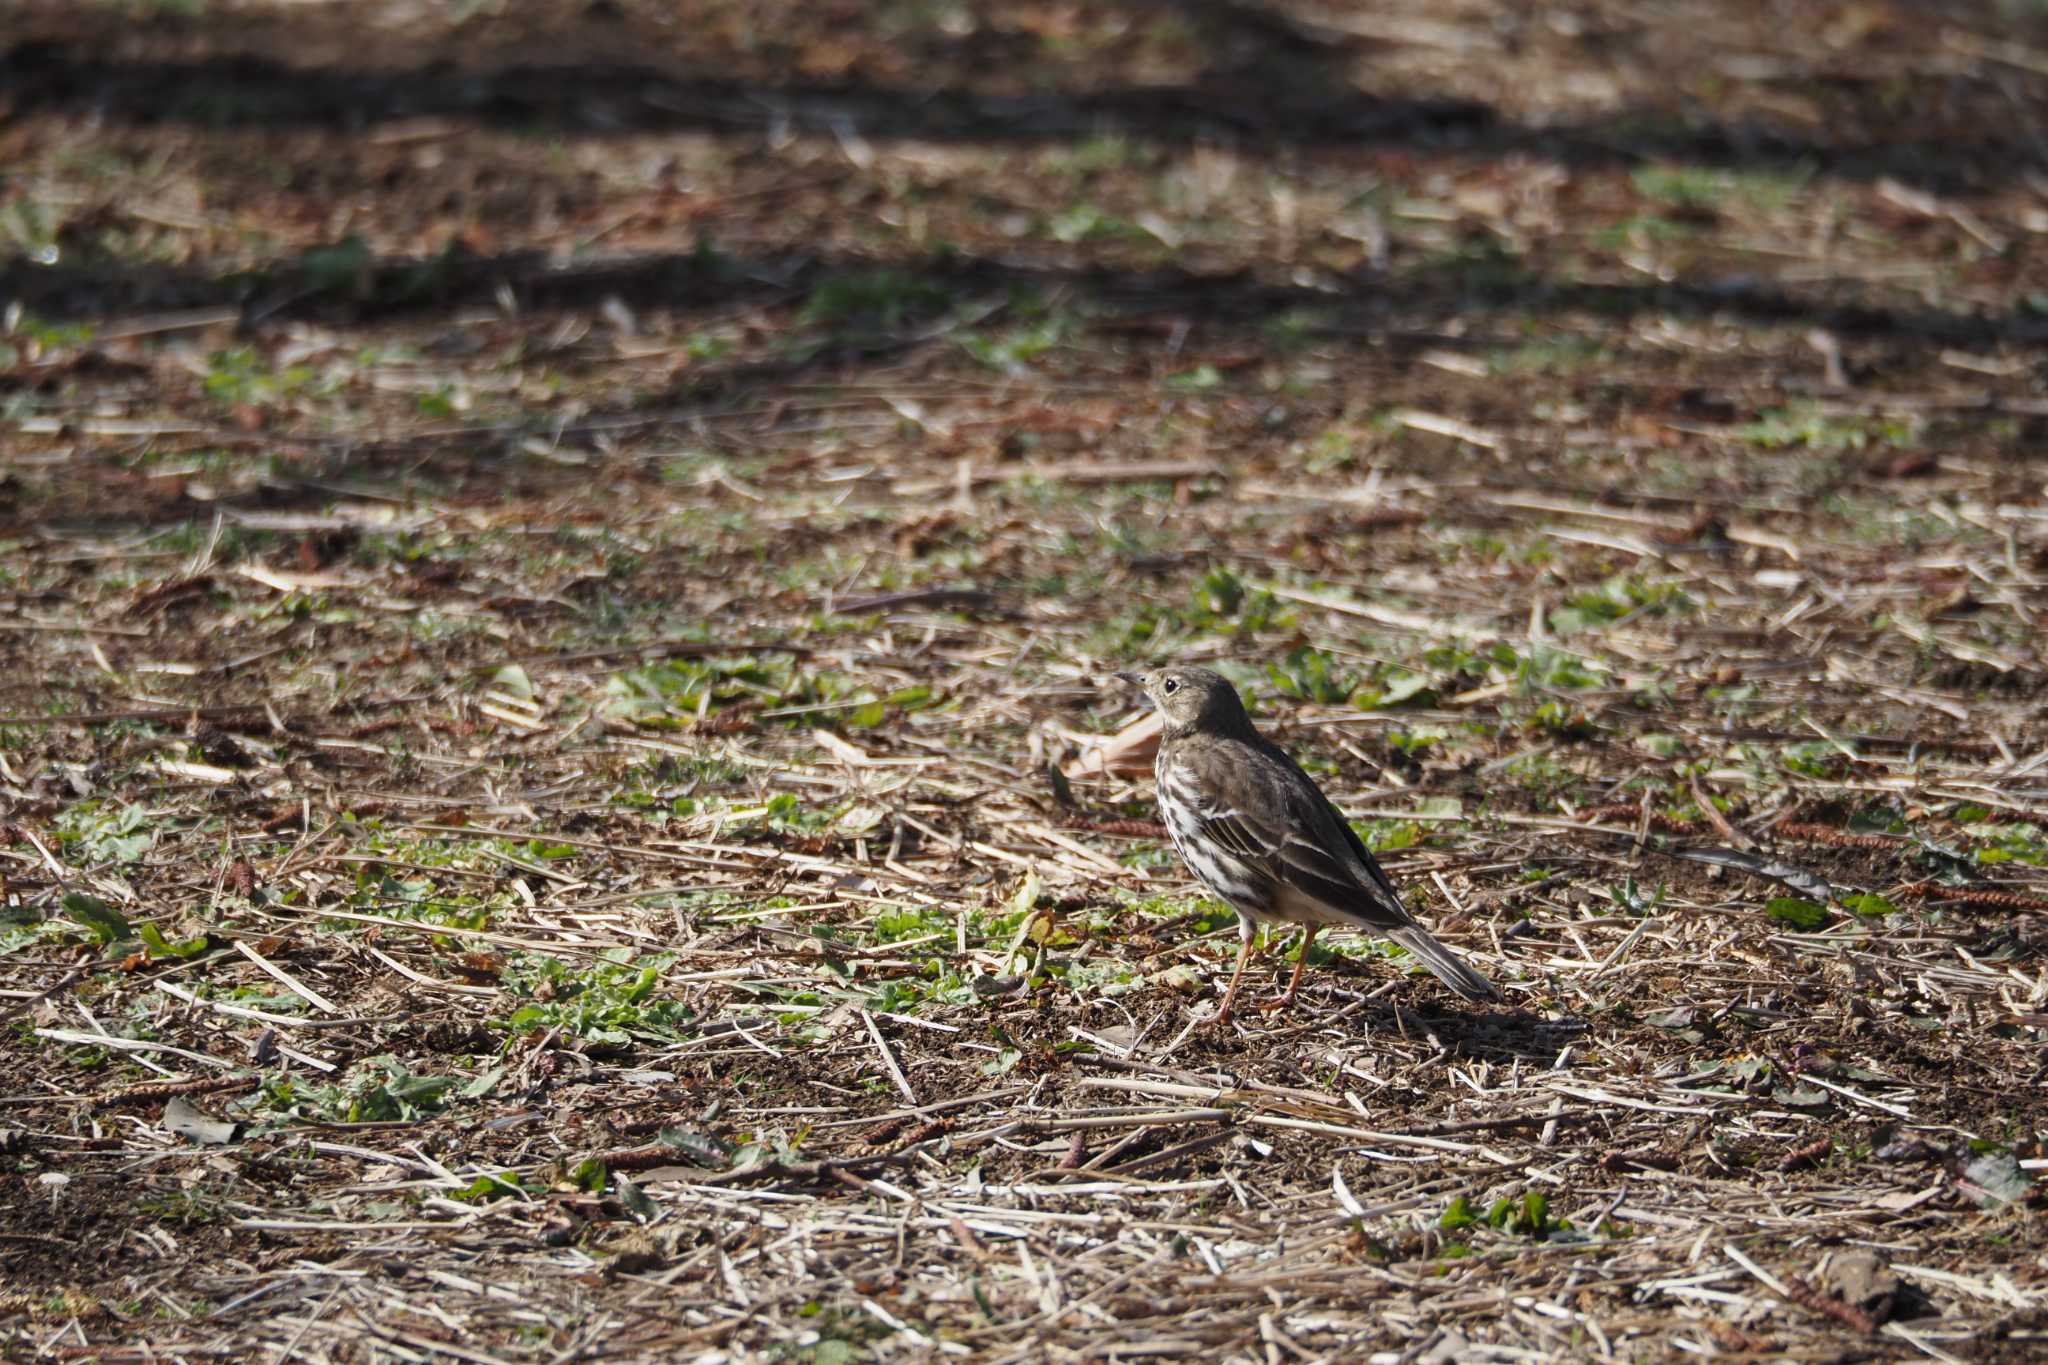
pixel 1244 951
pixel 1308 936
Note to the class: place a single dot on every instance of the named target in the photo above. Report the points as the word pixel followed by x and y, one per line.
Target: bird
pixel 1259 833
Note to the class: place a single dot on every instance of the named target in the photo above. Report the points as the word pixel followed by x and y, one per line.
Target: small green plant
pixel 1015 349
pixel 341 267
pixel 43 337
pixel 107 925
pixel 1527 1217
pixel 378 1089
pixel 443 401
pixel 492 1186
pixel 1684 186
pixel 1223 603
pixel 1417 740
pixel 1700 187
pixel 28 228
pixel 1799 913
pixel 1085 222
pixel 676 782
pixel 1618 597
pixel 676 691
pixel 1312 675
pixel 1099 152
pixel 1812 758
pixel 1550 355
pixel 2014 841
pixel 239 377
pixel 180 1208
pixel 1805 427
pixel 876 300
pixel 704 346
pixel 1631 899
pixel 1336 448
pixel 1200 379
pixel 1388 836
pixel 1544 667
pixel 611 1000
pixel 97 833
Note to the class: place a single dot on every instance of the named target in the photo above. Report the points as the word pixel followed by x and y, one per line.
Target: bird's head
pixel 1192 698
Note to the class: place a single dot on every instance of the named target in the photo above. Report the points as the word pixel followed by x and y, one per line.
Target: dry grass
pixel 542 616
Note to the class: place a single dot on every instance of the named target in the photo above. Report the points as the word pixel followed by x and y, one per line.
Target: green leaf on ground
pixel 1800 914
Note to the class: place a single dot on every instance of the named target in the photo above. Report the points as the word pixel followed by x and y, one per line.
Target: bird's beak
pixel 1134 679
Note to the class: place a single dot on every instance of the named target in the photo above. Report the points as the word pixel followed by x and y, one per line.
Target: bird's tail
pixel 1448 966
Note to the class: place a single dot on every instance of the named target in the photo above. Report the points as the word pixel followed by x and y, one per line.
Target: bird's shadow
pixel 1456 1029
pixel 1495 1032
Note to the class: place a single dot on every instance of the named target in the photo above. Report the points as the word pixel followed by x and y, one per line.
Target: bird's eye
pixel 1170 686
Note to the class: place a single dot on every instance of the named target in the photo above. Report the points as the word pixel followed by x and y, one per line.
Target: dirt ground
pixel 559 570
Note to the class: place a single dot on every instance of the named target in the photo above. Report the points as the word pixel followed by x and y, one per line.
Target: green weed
pixel 611 1000
pixel 97 833
pixel 376 1089
pixel 674 691
pixel 877 300
pixel 1313 675
pixel 1700 187
pixel 239 377
pixel 1807 427
pixel 1617 598
pixel 1015 349
pixel 1527 1217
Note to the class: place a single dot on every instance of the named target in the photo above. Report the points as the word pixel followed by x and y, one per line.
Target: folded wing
pixel 1324 864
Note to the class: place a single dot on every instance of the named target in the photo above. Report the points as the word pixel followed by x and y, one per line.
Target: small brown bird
pixel 1260 834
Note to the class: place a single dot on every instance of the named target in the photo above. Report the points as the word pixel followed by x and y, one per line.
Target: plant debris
pixel 558 796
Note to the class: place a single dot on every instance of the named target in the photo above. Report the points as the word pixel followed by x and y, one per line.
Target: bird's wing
pixel 1375 875
pixel 1276 820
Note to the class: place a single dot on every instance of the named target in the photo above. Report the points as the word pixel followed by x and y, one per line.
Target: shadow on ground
pixel 1268 79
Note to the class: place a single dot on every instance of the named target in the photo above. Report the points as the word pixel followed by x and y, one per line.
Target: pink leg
pixel 1308 936
pixel 1244 951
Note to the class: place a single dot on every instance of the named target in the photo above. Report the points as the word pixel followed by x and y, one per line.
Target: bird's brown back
pixel 1253 778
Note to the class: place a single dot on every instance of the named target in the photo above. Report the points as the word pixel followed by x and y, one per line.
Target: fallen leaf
pixel 1127 753
pixel 184 1120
